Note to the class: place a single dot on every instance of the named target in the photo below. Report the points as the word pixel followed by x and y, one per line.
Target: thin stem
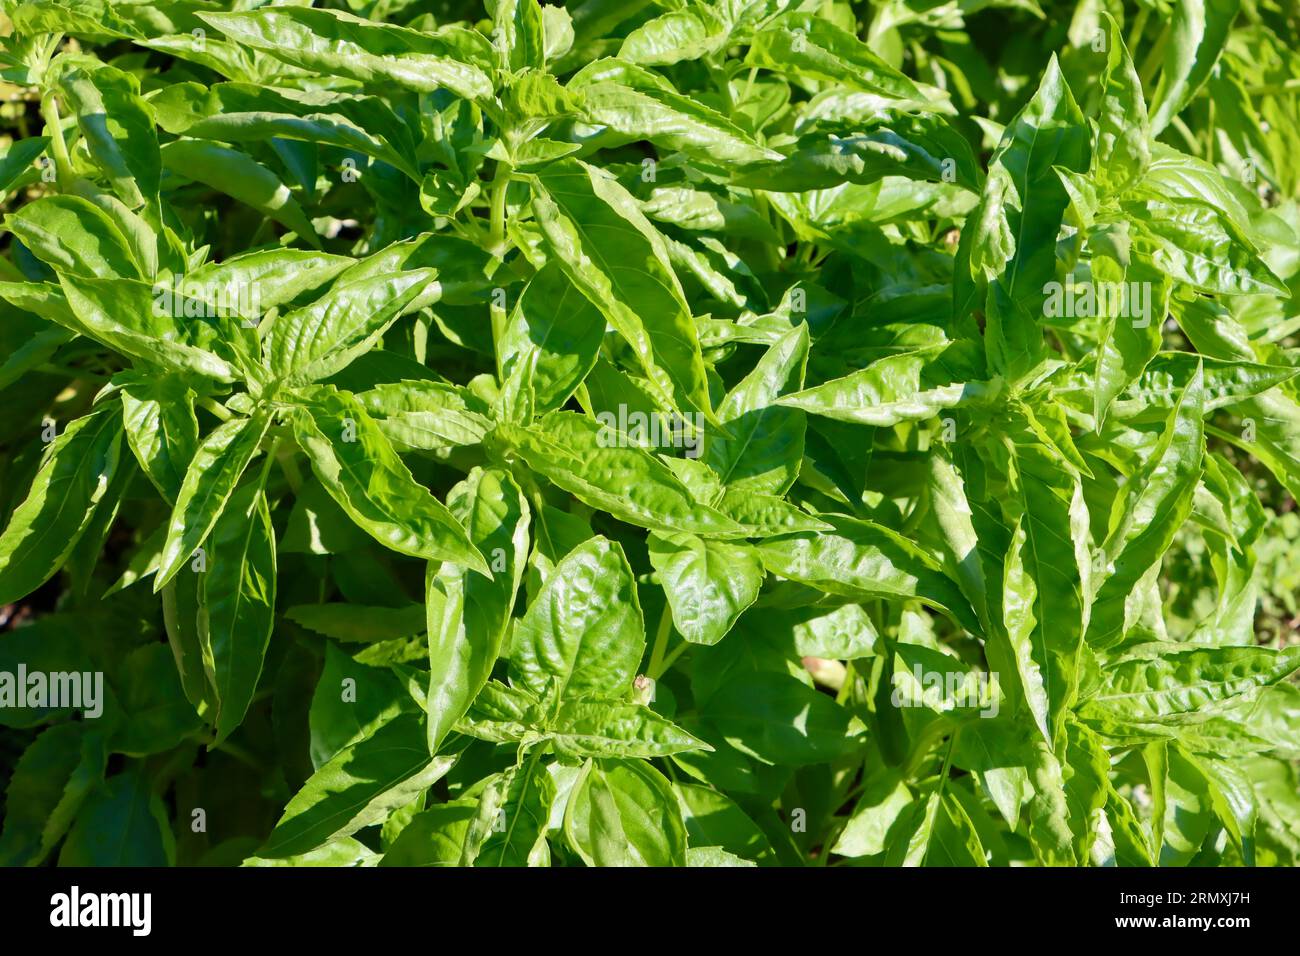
pixel 292 474
pixel 216 409
pixel 1209 139
pixel 669 661
pixel 1153 60
pixel 239 753
pixel 1139 24
pixel 497 228
pixel 54 127
pixel 270 460
pixel 661 642
pixel 1270 89
pixel 722 82
pixel 1176 122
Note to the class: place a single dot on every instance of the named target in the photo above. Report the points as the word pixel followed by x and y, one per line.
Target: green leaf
pixel 426 415
pixel 608 728
pixel 354 622
pixel 60 505
pixel 467 623
pixel 118 127
pixel 512 818
pixel 594 229
pixel 1155 504
pixel 780 720
pixel 1128 342
pixel 519 29
pixel 1183 685
pixel 557 330
pixel 359 786
pixel 1024 201
pixel 1044 599
pixel 669 119
pixel 241 177
pixel 375 54
pixel 1123 131
pixel 690 33
pixel 863 560
pixel 586 460
pixel 156 716
pixel 714 820
pixel 810 45
pixel 244 112
pixel 763 446
pixel 924 148
pixel 435 837
pixel 237 609
pixel 1198 245
pixel 129 317
pixel 910 386
pixel 1198 33
pixel 708 584
pixel 351 701
pixel 161 429
pixel 624 813
pixel 361 471
pixel 74 236
pixel 319 340
pixel 210 480
pixel 123 823
pixel 584 633
pixel 885 800
pixel 50 782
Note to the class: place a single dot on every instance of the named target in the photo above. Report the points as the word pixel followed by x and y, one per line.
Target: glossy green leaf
pixel 708 583
pixel 60 504
pixel 237 611
pixel 240 176
pixel 624 813
pixel 210 480
pixel 342 44
pixel 583 633
pixel 359 786
pixel 362 472
pixel 603 467
pixel 610 252
pixel 468 623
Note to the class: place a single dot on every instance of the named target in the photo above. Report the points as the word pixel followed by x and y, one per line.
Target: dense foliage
pixel 713 433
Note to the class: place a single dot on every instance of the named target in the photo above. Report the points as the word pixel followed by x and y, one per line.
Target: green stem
pixel 661 642
pixel 1153 60
pixel 239 753
pixel 772 254
pixel 216 409
pixel 1272 89
pixel 722 82
pixel 921 749
pixel 1193 145
pixel 497 227
pixel 1209 138
pixel 669 661
pixel 1139 24
pixel 54 127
